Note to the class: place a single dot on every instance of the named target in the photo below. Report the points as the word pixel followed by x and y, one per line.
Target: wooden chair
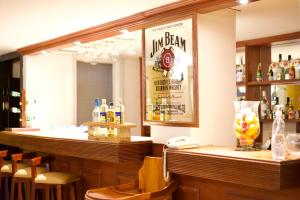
pixel 6 170
pixel 22 176
pixel 150 185
pixel 49 181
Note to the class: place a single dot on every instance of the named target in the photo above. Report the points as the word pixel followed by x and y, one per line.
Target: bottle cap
pixel 97 102
pixel 103 101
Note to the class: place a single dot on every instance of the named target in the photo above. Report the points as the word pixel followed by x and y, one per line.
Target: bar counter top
pixel 253 169
pixel 78 145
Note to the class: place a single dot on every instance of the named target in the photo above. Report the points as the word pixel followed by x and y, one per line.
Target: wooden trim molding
pixel 134 22
pixel 269 40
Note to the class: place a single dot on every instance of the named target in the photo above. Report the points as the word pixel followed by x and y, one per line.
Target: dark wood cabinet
pixel 10 90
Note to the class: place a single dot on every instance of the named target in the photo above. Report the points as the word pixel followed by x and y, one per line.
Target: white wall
pixel 292 48
pixel 50 80
pixel 216 46
pixel 127 86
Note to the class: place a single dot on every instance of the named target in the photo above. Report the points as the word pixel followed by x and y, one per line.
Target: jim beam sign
pixel 169 69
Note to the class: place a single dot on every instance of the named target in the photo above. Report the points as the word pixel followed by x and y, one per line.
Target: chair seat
pixel 56 178
pixel 7 167
pixel 108 193
pixel 26 172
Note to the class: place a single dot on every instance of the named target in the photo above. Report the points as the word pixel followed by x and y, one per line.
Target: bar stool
pixel 150 185
pixel 53 180
pixel 6 171
pixel 22 176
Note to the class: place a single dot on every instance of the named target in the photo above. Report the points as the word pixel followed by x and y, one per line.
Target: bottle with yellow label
pixel 156 111
pixel 103 115
pixel 119 113
pixel 149 110
pixel 110 119
pixel 164 111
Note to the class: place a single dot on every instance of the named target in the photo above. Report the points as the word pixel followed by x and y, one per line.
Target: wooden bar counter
pixel 98 163
pixel 208 173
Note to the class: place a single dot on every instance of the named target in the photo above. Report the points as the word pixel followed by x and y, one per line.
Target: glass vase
pixel 246 124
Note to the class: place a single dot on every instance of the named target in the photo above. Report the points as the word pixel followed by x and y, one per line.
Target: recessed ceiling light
pixel 124 31
pixel 244 2
pixel 77 43
pixel 44 52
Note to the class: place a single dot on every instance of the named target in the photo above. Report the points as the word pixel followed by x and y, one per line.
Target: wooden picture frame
pixel 170 74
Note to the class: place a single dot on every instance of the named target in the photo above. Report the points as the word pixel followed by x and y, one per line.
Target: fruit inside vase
pixel 246 126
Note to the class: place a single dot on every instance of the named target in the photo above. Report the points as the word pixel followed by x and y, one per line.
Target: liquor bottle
pixel 96 116
pixel 291 111
pixel 119 113
pixel 238 73
pixel 164 113
pixel 279 69
pixel 286 69
pixel 278 146
pixel 242 69
pixel 149 110
pixel 103 115
pixel 286 109
pixel 297 68
pixel 96 111
pixel 291 68
pixel 275 102
pixel 110 118
pixel 297 112
pixel 270 72
pixel 259 73
pixel 156 111
pixel 264 106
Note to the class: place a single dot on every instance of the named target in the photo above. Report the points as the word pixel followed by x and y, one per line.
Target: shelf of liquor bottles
pixel 276 82
pixel 286 120
pixel 268 70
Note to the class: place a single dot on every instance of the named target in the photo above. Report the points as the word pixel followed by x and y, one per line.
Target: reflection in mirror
pixel 241 92
pixel 287 93
pixel 69 80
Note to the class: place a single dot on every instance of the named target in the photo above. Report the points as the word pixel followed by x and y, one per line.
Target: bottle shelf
pixel 285 120
pixel 123 131
pixel 280 82
pixel 240 84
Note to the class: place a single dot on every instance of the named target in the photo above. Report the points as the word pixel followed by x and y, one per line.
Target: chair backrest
pixel 151 175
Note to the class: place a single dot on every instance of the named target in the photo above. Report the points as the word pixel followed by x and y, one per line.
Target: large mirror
pixel 63 84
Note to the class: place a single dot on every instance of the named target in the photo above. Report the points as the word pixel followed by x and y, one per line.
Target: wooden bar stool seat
pixel 26 172
pixel 7 167
pixel 53 181
pixel 56 178
pixel 150 185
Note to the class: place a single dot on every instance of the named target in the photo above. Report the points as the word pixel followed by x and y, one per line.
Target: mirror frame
pixel 195 107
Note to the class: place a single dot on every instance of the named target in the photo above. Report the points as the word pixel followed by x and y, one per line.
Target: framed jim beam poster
pixel 170 84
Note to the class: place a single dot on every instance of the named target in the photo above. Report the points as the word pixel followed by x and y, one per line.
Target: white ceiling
pixel 25 22
pixel 267 18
